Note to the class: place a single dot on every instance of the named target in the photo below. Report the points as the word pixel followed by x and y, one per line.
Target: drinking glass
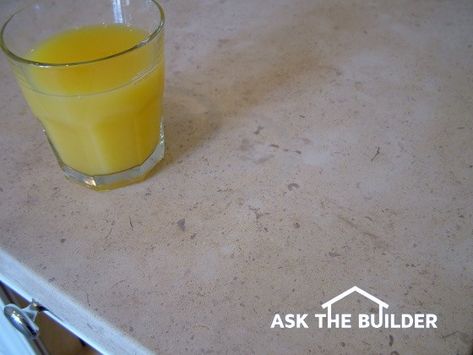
pixel 101 111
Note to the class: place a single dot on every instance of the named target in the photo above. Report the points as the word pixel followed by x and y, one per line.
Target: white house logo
pixel 379 319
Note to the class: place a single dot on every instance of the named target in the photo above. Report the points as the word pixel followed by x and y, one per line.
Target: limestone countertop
pixel 311 146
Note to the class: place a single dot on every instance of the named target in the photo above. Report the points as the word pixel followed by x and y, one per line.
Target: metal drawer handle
pixel 23 318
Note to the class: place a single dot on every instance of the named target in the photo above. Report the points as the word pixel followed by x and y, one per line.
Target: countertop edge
pixel 86 325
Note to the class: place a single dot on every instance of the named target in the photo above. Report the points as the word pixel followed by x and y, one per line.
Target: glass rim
pixel 23 60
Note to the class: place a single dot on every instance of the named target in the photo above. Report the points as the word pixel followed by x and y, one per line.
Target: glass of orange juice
pixel 92 72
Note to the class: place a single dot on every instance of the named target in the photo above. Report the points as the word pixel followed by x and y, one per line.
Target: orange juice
pixel 101 115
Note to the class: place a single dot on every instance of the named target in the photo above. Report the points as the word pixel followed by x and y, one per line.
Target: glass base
pixel 122 178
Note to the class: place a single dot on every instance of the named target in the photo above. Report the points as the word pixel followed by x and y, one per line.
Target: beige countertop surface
pixel 311 146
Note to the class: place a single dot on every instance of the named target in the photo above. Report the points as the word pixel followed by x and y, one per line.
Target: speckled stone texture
pixel 311 146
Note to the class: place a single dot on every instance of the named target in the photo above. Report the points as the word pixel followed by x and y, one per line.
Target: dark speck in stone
pixel 274 145
pixel 63 240
pixel 258 129
pixel 296 225
pixel 378 149
pixel 306 140
pixel 223 41
pixel 193 235
pixel 292 186
pixel 182 224
pixel 264 159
